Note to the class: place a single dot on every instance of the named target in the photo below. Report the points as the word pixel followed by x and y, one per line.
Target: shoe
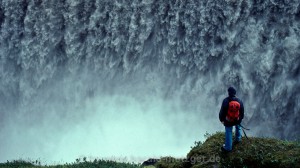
pixel 224 150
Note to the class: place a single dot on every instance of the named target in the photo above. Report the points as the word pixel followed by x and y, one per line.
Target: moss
pixel 252 152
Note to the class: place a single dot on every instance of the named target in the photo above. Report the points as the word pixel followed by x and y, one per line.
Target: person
pixel 231 114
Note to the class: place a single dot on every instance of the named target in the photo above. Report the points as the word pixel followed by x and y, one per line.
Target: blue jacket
pixel 224 110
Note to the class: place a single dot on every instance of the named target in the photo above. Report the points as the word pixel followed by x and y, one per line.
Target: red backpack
pixel 233 111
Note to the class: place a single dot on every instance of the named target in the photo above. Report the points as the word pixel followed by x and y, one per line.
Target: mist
pixel 128 122
pixel 139 79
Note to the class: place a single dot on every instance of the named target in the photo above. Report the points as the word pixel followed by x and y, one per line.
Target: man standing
pixel 231 114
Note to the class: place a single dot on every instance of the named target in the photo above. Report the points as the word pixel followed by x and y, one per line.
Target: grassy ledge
pixel 253 152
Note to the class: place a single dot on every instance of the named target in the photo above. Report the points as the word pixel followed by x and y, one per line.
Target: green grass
pixel 250 153
pixel 253 152
pixel 77 164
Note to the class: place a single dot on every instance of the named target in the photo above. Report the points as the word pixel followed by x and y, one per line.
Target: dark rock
pixel 150 162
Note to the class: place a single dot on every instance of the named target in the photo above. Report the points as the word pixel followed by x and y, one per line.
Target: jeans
pixel 228 136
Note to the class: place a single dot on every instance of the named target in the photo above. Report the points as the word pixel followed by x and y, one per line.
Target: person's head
pixel 231 91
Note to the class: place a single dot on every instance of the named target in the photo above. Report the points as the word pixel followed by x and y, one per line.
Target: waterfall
pixel 77 75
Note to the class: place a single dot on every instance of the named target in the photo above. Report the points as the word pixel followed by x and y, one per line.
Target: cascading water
pixel 143 77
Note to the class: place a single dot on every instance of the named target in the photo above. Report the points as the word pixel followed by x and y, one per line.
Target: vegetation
pixel 78 164
pixel 252 152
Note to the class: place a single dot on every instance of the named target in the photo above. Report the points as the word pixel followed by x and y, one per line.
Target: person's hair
pixel 231 91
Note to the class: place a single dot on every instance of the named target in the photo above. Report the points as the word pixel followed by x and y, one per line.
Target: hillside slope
pixel 252 152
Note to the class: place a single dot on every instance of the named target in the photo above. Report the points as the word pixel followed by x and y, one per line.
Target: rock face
pixel 150 162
